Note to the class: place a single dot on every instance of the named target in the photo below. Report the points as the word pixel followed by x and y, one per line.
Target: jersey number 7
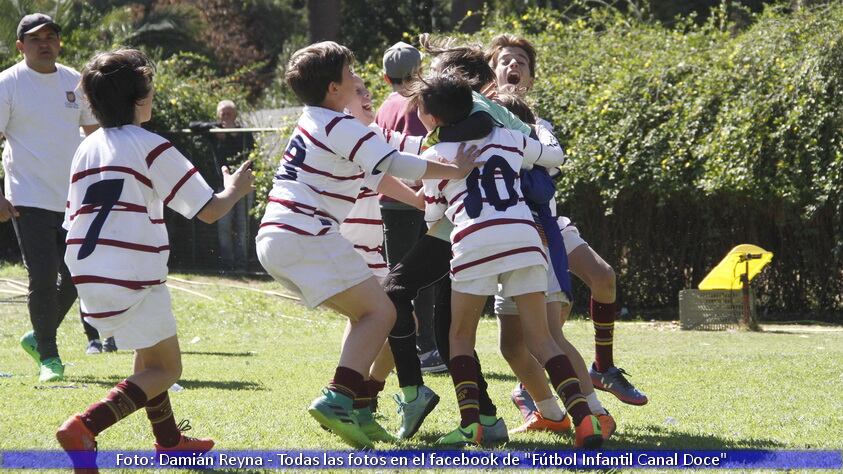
pixel 103 194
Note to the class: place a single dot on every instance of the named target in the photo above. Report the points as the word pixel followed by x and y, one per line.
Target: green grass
pixel 254 361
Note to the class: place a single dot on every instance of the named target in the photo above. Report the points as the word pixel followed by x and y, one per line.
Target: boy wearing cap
pixel 404 225
pixel 41 110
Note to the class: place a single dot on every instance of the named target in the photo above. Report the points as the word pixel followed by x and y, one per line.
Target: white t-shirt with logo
pixel 40 115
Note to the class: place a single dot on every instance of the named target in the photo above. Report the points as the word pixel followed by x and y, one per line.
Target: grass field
pixel 253 361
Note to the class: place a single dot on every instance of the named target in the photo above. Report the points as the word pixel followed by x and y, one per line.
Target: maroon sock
pixel 375 388
pixel 603 319
pixel 160 415
pixel 464 373
pixel 346 382
pixel 567 385
pixel 123 400
pixel 363 398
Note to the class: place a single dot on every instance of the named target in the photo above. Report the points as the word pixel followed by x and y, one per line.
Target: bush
pixel 685 142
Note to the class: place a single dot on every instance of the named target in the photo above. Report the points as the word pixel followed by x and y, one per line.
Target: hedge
pixel 686 141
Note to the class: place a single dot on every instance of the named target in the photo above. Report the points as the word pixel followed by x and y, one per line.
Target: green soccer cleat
pixel 333 411
pixel 494 430
pixel 414 412
pixel 52 370
pixel 470 435
pixel 373 430
pixel 27 342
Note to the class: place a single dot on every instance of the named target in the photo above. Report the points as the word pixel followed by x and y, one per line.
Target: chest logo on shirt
pixel 71 100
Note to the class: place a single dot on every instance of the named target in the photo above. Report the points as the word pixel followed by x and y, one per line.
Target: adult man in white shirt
pixel 41 110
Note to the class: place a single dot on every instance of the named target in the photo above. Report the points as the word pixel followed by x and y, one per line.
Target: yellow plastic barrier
pixel 744 259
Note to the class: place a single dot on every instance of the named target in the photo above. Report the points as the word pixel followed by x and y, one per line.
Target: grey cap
pixel 34 22
pixel 401 60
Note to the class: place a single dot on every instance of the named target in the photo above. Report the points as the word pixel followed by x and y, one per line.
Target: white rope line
pixel 194 293
pixel 15 283
pixel 13 292
pixel 239 287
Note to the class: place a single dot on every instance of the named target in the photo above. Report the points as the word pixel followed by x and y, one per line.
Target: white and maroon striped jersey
pixel 117 243
pixel 494 231
pixel 321 173
pixel 363 226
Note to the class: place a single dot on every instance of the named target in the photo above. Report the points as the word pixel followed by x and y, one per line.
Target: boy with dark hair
pixel 117 247
pixel 494 241
pixel 403 225
pixel 315 187
pixel 514 59
pixel 538 188
pixel 426 263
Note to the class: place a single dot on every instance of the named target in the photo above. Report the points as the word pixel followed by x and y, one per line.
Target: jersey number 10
pixel 486 179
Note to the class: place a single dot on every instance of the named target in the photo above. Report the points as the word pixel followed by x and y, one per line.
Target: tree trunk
pixel 323 18
pixel 459 10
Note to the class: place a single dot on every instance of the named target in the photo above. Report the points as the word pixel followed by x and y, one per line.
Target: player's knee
pixel 404 325
pixel 604 279
pixel 511 351
pixel 542 349
pixel 383 312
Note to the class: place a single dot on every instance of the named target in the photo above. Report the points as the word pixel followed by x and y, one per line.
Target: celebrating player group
pixel 483 173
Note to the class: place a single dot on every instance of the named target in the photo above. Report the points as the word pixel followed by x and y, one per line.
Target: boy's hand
pixel 466 158
pixel 490 91
pixel 7 210
pixel 242 181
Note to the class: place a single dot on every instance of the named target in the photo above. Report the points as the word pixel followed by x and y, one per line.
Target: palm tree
pixel 11 12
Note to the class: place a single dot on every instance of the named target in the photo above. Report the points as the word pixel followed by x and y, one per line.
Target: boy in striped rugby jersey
pixel 494 242
pixel 514 61
pixel 316 185
pixel 117 247
pixel 545 415
pixel 363 227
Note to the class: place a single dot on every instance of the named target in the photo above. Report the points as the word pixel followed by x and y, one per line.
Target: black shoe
pixel 431 362
pixel 109 345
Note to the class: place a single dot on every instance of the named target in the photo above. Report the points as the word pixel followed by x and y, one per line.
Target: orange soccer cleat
pixel 187 444
pixel 80 444
pixel 536 422
pixel 587 434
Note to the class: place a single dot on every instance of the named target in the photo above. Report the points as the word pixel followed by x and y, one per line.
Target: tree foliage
pixel 688 140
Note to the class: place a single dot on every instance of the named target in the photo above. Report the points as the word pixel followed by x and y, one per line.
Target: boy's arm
pixel 181 188
pixel 236 186
pixel 535 153
pixel 435 203
pixel 407 166
pixel 392 187
pixel 499 113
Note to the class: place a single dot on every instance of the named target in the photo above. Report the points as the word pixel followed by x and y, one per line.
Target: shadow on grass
pixel 221 354
pixel 642 437
pixel 506 377
pixel 187 384
pixel 659 437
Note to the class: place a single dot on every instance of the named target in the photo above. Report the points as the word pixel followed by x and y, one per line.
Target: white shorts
pixel 314 268
pixel 570 234
pixel 505 304
pixel 145 324
pixel 517 282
